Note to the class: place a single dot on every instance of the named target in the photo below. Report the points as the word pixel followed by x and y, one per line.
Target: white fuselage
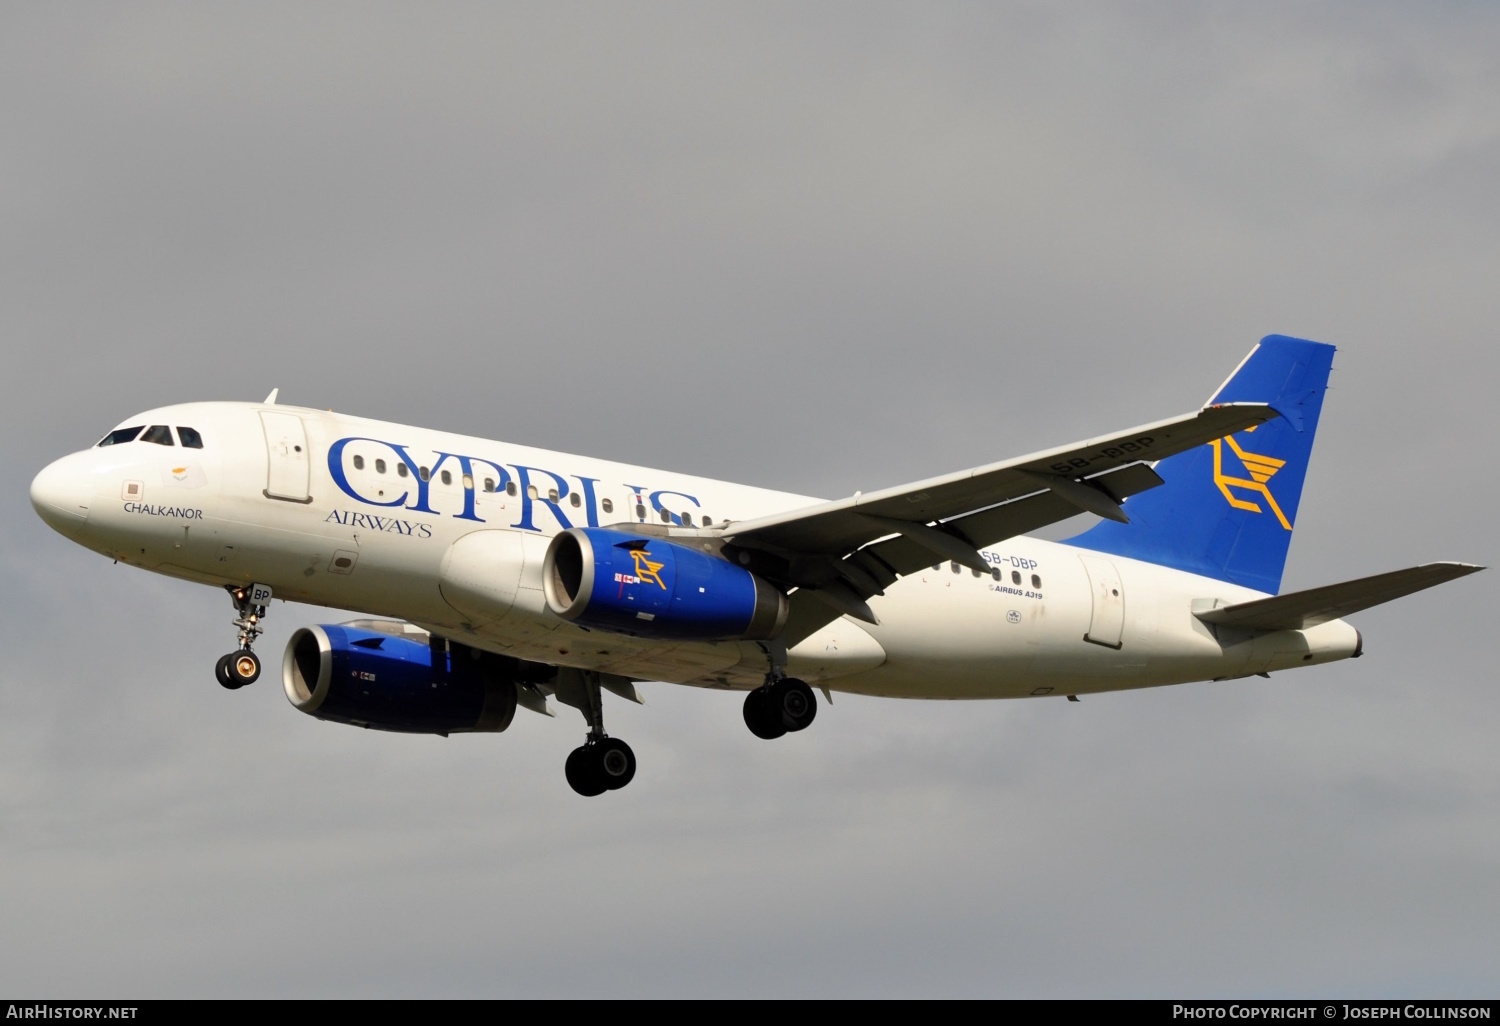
pixel 334 510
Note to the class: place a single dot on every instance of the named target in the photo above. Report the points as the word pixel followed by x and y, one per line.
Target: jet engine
pixel 649 587
pixel 387 680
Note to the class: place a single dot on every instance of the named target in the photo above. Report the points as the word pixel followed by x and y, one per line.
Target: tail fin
pixel 1227 508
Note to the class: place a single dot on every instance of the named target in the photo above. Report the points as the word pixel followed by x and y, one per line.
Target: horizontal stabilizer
pixel 1299 610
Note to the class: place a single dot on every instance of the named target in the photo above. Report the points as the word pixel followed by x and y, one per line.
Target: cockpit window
pixel 159 434
pixel 191 439
pixel 120 436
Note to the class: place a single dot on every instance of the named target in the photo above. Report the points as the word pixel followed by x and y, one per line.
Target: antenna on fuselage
pixel 271 399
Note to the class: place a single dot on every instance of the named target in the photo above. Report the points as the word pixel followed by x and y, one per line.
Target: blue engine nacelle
pixel 650 587
pixel 387 681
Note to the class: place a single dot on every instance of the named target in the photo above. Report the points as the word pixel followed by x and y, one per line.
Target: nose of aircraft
pixel 60 494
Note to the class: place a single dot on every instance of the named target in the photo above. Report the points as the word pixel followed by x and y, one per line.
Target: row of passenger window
pixel 1015 575
pixel 157 434
pixel 666 517
pixel 574 499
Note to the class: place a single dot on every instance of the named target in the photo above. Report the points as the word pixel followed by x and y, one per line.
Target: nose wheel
pixel 242 666
pixel 237 669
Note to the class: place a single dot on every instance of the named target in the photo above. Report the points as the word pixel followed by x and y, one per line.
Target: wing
pixel 838 554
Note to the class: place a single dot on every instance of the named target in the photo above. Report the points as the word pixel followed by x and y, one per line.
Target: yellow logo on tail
pixel 1260 468
pixel 646 569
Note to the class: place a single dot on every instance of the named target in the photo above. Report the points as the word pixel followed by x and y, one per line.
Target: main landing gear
pixel 602 763
pixel 782 704
pixel 242 667
pixel 779 706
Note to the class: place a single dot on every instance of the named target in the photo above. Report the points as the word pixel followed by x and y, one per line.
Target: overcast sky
pixel 819 247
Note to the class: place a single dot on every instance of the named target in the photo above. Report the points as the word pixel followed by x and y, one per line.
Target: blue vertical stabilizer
pixel 1227 508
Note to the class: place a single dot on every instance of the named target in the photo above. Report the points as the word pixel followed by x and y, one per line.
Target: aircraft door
pixel 288 468
pixel 1107 618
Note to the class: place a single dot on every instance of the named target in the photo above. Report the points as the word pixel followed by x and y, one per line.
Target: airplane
pixel 494 576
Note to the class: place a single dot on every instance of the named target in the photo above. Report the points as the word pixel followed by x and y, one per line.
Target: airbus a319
pixel 495 576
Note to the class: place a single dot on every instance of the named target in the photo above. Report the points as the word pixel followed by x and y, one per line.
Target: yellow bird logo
pixel 1260 468
pixel 646 569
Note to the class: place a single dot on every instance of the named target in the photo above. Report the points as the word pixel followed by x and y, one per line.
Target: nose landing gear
pixel 242 667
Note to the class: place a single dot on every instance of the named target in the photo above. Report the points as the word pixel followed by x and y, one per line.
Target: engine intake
pixel 650 587
pixel 384 681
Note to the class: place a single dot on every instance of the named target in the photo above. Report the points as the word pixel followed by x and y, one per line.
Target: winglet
pixel 271 399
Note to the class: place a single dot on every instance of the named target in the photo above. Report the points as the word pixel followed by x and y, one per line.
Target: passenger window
pixel 575 500
pixel 609 506
pixel 120 436
pixel 468 483
pixel 552 495
pixel 640 511
pixel 190 438
pixel 956 568
pixel 687 520
pixel 974 572
pixel 706 521
pixel 424 473
pixel 489 484
pixel 158 434
pixel 359 463
pixel 401 470
pixel 510 488
pixel 531 491
pixel 380 466
pixel 447 477
pixel 995 573
pixel 1015 577
pixel 1036 582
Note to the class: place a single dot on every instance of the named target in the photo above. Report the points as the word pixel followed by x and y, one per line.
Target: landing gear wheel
pixel 241 668
pixel 761 716
pixel 603 763
pixel 221 673
pixel 616 762
pixel 585 774
pixel 795 702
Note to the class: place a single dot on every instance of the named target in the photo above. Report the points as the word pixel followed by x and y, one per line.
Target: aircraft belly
pixel 952 635
pixel 949 636
pixel 637 658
